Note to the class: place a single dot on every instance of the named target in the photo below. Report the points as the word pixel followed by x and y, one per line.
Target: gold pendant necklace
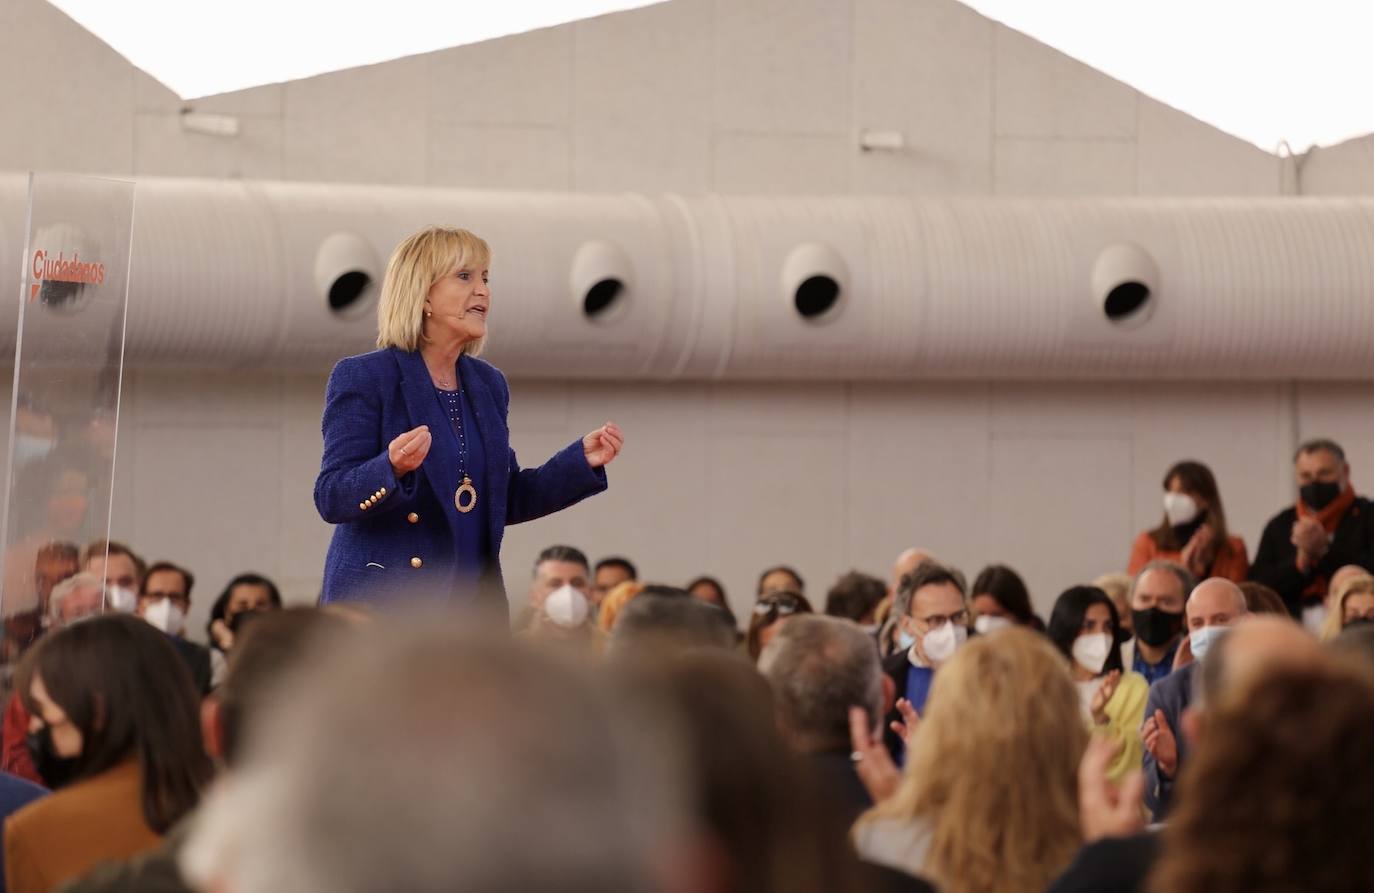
pixel 468 490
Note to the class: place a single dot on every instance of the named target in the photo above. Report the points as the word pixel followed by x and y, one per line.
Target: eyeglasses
pixel 779 605
pixel 935 621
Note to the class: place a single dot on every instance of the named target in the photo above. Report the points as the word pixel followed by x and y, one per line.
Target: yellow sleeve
pixel 1125 712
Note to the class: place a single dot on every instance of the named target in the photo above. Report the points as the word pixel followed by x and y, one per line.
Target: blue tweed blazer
pixel 395 539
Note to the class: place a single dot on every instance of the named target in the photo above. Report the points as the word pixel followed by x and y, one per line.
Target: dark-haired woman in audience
pixel 709 590
pixel 1084 628
pixel 115 732
pixel 1000 600
pixel 770 612
pixel 246 595
pixel 780 579
pixel 1193 531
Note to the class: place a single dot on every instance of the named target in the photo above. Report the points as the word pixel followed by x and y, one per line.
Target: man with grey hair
pixel 1329 526
pixel 428 760
pixel 1213 607
pixel 819 667
pixel 1156 598
pixel 75 598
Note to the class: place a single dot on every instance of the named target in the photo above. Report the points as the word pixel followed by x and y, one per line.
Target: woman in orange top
pixel 115 732
pixel 1193 532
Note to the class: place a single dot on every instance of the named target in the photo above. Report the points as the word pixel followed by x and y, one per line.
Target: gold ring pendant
pixel 468 490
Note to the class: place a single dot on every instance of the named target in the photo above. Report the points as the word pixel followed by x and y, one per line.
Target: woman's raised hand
pixel 603 444
pixel 408 450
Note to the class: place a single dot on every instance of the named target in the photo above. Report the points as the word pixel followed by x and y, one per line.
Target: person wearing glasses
pixel 769 612
pixel 932 610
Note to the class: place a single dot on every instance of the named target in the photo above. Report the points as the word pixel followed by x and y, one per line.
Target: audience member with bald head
pixel 1119 853
pixel 1212 607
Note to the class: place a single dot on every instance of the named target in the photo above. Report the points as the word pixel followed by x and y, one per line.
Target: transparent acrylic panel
pixel 65 404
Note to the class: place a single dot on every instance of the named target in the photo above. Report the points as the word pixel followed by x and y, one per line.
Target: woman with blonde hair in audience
pixel 988 800
pixel 1118 588
pixel 1352 601
pixel 615 601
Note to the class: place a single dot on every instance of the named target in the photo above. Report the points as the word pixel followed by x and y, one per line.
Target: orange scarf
pixel 1329 518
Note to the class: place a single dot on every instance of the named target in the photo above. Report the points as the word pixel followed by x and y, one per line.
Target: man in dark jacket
pixel 818 668
pixel 1328 527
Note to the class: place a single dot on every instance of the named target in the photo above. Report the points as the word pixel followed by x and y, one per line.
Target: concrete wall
pixel 695 96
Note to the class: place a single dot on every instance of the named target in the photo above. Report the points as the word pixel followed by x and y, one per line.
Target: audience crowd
pixel 1199 722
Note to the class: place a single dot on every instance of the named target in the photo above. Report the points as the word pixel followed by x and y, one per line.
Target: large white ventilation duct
pixel 233 274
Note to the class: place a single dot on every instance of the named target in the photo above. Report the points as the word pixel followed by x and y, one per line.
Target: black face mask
pixel 1184 532
pixel 242 619
pixel 1155 627
pixel 56 771
pixel 1319 494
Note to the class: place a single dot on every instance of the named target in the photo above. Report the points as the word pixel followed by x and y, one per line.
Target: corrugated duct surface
pixel 234 274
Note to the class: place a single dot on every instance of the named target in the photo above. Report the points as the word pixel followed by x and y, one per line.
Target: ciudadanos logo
pixel 59 281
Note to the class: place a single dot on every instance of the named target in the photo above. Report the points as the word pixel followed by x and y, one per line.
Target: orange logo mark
pixel 61 269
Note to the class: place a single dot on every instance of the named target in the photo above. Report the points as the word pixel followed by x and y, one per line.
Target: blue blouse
pixel 470 558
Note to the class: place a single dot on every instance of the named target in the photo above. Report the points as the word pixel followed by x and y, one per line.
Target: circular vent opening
pixel 1126 300
pixel 816 296
pixel 345 291
pixel 602 297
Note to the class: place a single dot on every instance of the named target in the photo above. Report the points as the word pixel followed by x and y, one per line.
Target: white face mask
pixel 1199 640
pixel 1090 651
pixel 566 607
pixel 125 601
pixel 167 617
pixel 991 623
pixel 940 644
pixel 1180 509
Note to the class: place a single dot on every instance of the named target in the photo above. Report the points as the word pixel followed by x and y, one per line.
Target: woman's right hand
pixel 1103 697
pixel 222 635
pixel 1196 554
pixel 408 450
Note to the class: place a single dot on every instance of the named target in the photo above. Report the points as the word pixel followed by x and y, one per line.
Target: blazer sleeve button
pixel 362 506
pixel 416 562
pixel 413 518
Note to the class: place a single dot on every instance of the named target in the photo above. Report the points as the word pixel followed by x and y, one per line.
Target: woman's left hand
pixel 603 444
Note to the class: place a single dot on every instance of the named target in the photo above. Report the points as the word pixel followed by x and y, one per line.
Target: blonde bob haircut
pixel 1335 613
pixel 421 260
pixel 993 770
